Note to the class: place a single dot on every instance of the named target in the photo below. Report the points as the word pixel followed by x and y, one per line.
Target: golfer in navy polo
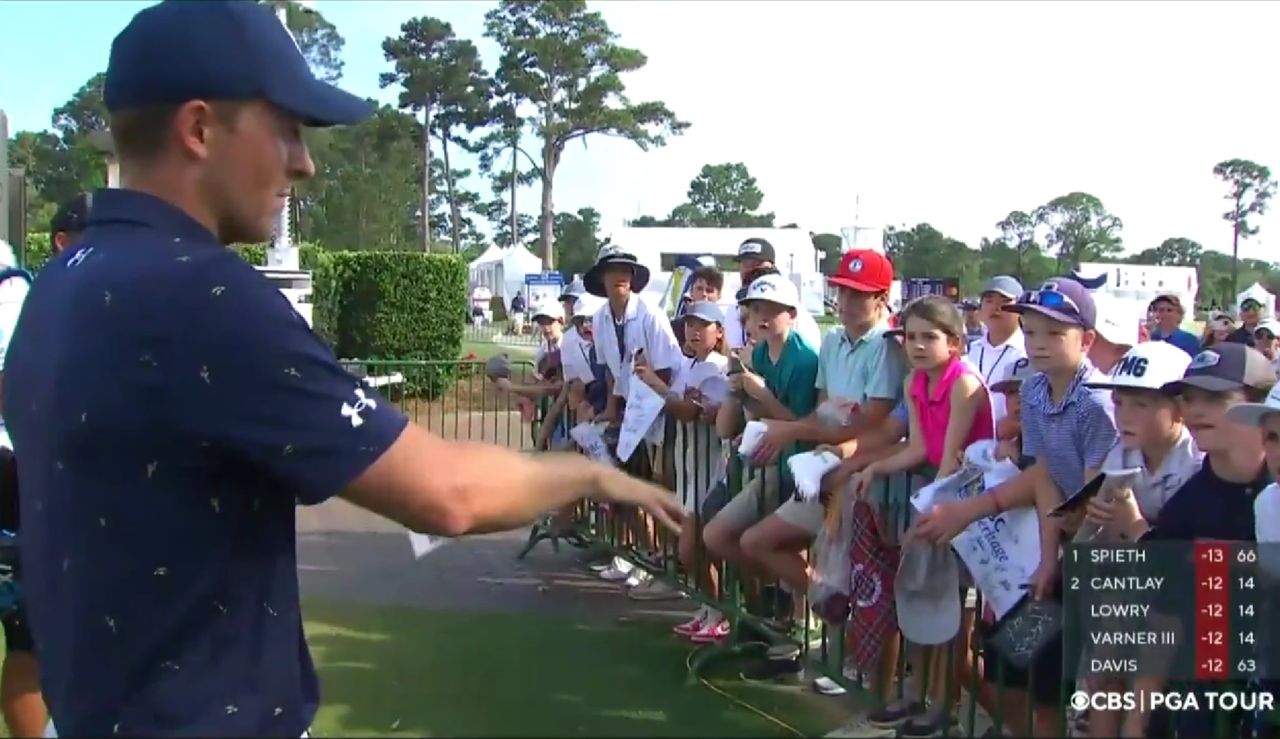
pixel 169 408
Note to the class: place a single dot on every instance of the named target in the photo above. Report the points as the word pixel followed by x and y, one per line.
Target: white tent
pixel 503 270
pixel 1260 294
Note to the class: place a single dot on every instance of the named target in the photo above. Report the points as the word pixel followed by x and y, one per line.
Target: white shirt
pixel 805 325
pixel 643 328
pixel 1266 527
pixel 991 362
pixel 13 292
pixel 703 464
pixel 575 357
pixel 1153 489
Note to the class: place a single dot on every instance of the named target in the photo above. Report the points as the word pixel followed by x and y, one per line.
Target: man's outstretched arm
pixel 458 487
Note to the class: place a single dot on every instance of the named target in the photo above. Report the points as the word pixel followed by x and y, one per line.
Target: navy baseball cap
pixel 1224 367
pixel 1062 299
pixel 72 216
pixel 177 51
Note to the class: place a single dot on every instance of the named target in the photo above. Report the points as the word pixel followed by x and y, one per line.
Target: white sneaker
pixel 637 578
pixel 826 686
pixel 654 589
pixel 619 570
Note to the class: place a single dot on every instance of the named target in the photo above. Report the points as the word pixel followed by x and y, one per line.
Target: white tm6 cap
pixel 1148 366
pixel 773 288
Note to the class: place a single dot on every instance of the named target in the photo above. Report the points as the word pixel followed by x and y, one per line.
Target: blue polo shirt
pixel 1184 340
pixel 170 409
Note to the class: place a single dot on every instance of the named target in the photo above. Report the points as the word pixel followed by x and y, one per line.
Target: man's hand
pixel 862 481
pixel 1117 512
pixel 643 371
pixel 615 486
pixel 836 449
pixel 1043 580
pixel 753 384
pixel 502 383
pixel 943 522
pixel 776 436
pixel 838 476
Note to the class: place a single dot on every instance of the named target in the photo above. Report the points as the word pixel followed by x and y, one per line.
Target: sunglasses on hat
pixel 1051 299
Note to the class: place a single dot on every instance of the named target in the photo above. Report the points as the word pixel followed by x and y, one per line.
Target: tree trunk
pixel 1235 254
pixel 426 179
pixel 548 218
pixel 513 215
pixel 454 215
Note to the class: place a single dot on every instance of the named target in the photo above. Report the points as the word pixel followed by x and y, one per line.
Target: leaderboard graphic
pixel 1203 612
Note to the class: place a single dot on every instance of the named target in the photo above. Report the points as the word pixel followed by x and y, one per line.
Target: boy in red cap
pixel 857 370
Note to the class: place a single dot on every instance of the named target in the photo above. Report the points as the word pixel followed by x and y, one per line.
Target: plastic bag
pixel 751 436
pixel 829 595
pixel 837 412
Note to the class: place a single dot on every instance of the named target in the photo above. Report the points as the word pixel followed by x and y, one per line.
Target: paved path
pixel 345 553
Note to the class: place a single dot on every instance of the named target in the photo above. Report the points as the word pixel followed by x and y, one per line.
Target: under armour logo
pixel 353 411
pixel 79 256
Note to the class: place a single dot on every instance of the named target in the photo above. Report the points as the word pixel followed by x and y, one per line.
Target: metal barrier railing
pixel 969 699
pixel 454 398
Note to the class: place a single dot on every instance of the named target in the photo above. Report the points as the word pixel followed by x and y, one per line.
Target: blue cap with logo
pixel 1062 299
pixel 177 51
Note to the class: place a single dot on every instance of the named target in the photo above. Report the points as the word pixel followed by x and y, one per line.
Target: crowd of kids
pixel 1053 385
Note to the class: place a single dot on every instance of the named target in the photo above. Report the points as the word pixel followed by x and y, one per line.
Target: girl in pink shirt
pixel 948 405
pixel 949 409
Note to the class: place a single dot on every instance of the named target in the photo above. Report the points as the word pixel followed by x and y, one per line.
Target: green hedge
pixel 38 251
pixel 398 306
pixel 373 305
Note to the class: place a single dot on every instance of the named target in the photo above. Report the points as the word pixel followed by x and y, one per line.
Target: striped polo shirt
pixel 1071 435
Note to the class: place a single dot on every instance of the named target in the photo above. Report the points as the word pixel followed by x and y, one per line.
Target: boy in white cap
pixel 1154 456
pixel 1266 339
pixel 1002 343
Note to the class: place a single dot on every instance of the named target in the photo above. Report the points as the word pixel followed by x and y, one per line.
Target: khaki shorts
pixel 747 508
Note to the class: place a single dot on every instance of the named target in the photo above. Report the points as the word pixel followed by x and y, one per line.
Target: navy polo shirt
pixel 169 409
pixel 1209 507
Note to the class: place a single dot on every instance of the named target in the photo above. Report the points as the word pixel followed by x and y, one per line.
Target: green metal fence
pixel 760 627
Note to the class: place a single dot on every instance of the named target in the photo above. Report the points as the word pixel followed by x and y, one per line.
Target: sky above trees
pixel 950 114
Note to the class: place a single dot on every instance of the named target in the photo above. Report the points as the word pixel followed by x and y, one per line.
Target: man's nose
pixel 300 165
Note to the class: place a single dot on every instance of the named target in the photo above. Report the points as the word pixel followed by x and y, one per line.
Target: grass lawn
pixel 411 672
pixel 484 350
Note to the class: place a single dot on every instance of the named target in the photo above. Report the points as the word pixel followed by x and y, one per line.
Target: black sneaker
pixel 772 669
pixel 928 725
pixel 894 714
